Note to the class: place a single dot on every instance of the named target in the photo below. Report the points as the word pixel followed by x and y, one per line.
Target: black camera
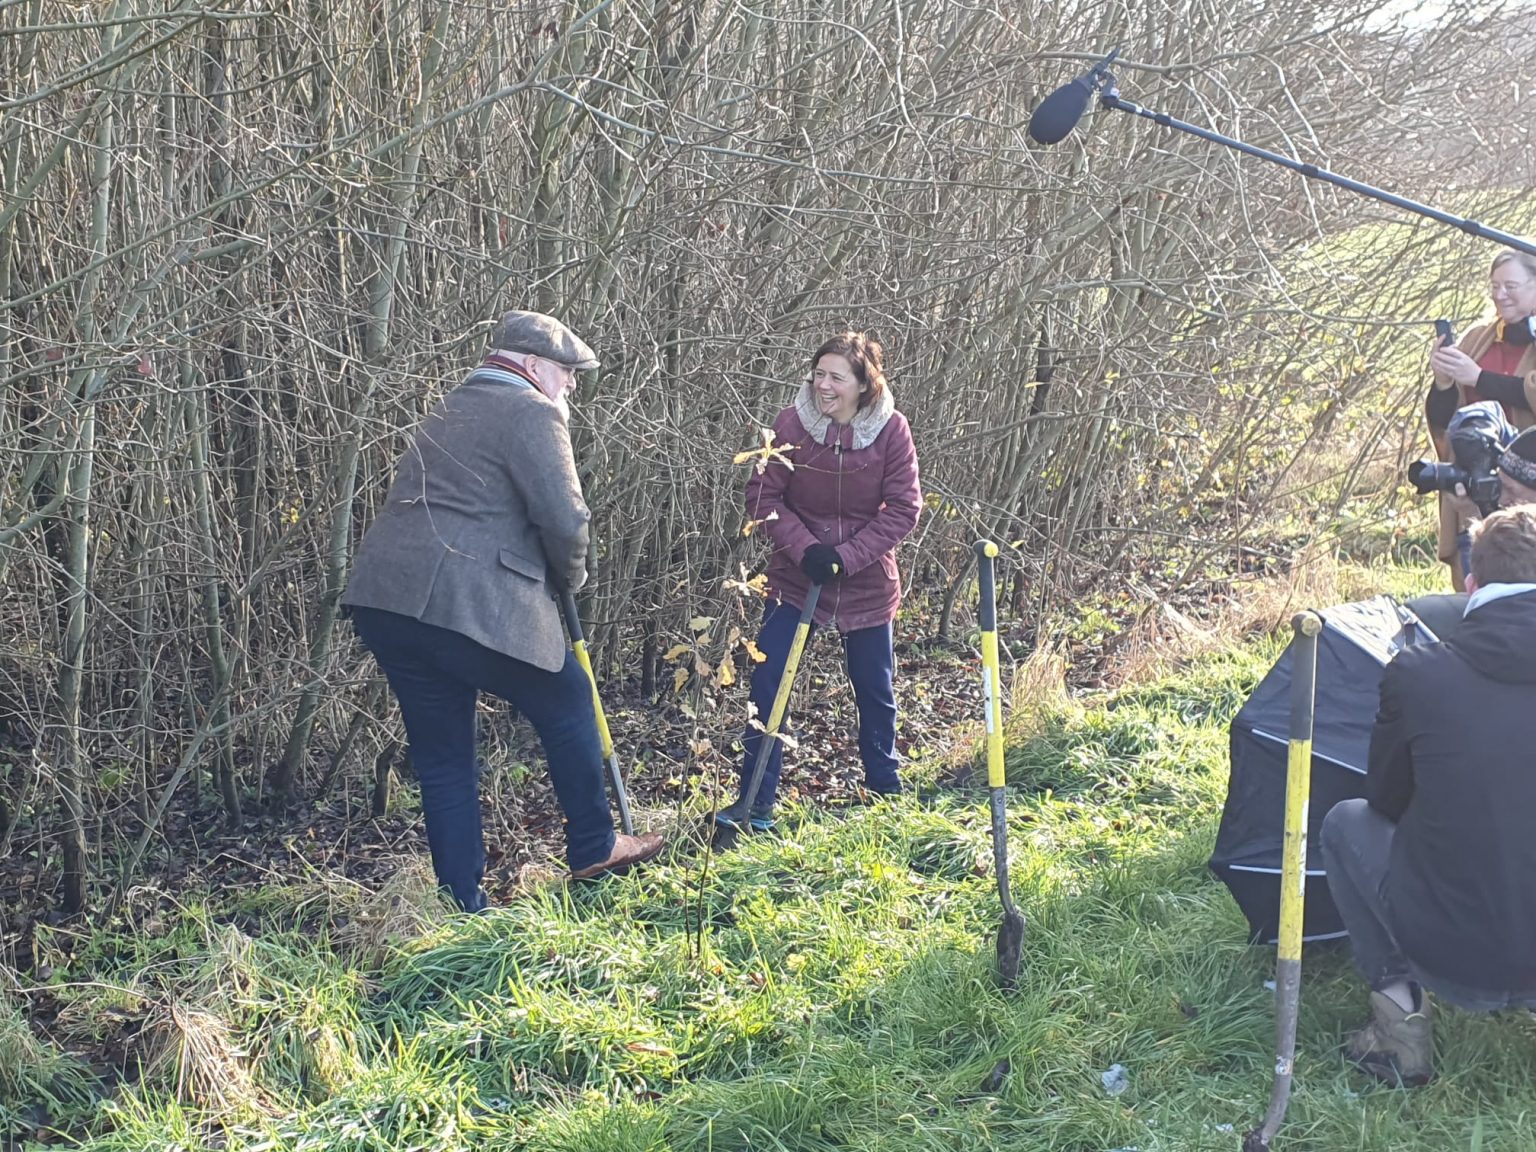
pixel 1476 437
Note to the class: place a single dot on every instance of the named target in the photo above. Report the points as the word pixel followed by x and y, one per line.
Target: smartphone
pixel 1444 331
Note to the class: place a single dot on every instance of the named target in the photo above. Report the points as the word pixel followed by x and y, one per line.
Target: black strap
pixel 1521 334
pixel 1440 405
pixel 1504 388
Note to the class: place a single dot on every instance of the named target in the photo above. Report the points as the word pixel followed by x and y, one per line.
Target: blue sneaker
pixel 757 817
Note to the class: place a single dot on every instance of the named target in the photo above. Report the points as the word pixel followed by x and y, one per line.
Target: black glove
pixel 821 563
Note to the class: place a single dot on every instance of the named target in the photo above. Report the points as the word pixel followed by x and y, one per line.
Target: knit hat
pixel 1519 459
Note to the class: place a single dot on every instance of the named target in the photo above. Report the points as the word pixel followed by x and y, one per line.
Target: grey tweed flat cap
pixel 536 334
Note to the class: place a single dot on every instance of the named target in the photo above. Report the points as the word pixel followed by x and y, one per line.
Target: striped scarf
pixel 498 367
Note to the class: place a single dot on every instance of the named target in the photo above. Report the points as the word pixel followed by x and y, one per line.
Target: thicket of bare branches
pixel 245 243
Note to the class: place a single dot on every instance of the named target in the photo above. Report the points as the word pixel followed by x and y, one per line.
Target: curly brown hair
pixel 866 355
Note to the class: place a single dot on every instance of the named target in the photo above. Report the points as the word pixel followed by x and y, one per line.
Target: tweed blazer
pixel 485 505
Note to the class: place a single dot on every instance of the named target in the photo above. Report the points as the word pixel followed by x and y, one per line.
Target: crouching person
pixel 1434 872
pixel 453 591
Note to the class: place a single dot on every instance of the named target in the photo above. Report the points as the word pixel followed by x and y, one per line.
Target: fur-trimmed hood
pixel 867 423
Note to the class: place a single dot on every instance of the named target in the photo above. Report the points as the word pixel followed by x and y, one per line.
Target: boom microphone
pixel 1059 112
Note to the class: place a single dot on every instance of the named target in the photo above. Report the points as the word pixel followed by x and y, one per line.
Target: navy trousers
pixel 871 662
pixel 437 675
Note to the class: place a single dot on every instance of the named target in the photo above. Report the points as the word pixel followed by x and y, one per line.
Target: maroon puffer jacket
pixel 853 486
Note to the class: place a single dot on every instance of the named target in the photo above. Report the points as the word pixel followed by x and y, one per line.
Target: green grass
pixel 832 989
pixel 35 1077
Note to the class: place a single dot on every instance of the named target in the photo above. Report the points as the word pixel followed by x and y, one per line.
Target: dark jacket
pixel 1453 762
pixel 484 505
pixel 853 486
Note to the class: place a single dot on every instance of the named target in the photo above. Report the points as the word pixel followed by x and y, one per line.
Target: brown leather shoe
pixel 627 852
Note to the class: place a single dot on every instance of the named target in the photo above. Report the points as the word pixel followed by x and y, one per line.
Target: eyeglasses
pixel 1509 287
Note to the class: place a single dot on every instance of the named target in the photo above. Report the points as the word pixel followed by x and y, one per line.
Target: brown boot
pixel 627 852
pixel 1397 1047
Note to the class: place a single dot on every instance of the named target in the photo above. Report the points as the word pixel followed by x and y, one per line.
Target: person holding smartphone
pixel 1494 361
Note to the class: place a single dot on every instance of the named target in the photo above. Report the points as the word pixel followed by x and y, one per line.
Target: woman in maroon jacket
pixel 1494 361
pixel 835 518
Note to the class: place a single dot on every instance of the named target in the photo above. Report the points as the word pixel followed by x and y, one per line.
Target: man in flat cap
pixel 453 591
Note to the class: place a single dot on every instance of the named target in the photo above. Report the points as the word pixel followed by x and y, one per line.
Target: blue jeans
pixel 871 664
pixel 437 675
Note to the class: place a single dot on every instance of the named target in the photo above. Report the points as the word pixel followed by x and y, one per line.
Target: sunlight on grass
pixel 831 988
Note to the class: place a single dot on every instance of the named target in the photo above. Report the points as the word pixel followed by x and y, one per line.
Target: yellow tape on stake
pixel 992 687
pixel 1293 875
pixel 787 681
pixel 1298 783
pixel 580 648
pixel 991 676
pixel 584 661
pixel 1293 892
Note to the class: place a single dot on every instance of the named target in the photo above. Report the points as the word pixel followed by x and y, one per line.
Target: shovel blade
pixel 723 837
pixel 1010 950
